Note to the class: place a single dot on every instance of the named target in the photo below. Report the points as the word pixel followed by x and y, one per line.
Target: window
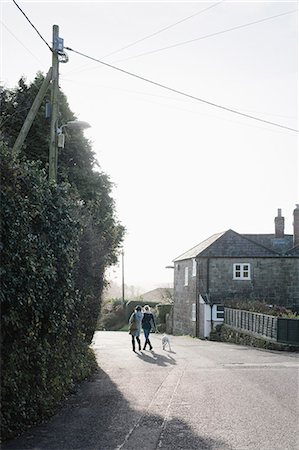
pixel 186 276
pixel 241 271
pixel 193 312
pixel 220 312
pixel 193 267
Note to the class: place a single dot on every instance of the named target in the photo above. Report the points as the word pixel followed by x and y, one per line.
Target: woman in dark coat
pixel 148 322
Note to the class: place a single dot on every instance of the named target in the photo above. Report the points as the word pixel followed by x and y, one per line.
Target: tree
pixel 43 350
pixel 102 233
pixel 57 241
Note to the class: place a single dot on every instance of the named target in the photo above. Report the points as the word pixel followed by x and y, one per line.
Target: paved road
pixel 199 395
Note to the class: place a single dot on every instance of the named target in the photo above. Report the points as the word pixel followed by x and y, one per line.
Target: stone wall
pixel 274 280
pixel 184 297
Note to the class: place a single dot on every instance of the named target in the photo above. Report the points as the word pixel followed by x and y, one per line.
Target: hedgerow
pixel 44 349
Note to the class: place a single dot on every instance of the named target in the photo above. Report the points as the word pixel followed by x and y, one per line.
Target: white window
pixel 193 267
pixel 193 312
pixel 186 276
pixel 220 312
pixel 241 271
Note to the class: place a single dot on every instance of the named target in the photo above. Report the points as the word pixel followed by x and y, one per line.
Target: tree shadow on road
pixel 99 417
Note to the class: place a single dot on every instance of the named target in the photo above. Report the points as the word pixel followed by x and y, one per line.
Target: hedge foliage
pixel 57 241
pixel 44 351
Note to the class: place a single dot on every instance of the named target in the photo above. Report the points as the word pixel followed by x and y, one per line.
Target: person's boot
pixel 133 345
pixel 139 343
pixel 151 347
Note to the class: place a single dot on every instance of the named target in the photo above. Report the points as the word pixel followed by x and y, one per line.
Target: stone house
pixel 230 265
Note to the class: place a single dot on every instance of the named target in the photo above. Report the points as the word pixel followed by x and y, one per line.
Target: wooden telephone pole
pixel 53 148
pixel 32 113
pixel 52 77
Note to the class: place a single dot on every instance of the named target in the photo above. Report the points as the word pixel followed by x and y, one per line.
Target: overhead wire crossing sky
pixel 163 86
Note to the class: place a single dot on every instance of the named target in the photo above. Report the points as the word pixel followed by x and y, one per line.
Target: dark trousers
pixel 146 332
pixel 138 341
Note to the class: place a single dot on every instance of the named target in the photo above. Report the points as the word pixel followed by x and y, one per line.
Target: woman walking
pixel 148 322
pixel 135 327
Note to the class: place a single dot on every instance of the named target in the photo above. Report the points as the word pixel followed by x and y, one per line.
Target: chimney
pixel 279 225
pixel 296 226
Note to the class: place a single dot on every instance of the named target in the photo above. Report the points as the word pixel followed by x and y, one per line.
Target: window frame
pixel 193 267
pixel 186 276
pixel 219 311
pixel 242 271
pixel 193 312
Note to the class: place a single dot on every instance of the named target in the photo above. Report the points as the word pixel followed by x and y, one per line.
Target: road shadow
pixel 157 359
pixel 98 417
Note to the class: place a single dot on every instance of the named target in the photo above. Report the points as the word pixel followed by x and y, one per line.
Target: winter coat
pixel 138 316
pixel 148 321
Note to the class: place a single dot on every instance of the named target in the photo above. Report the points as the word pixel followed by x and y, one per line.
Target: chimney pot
pixel 279 225
pixel 296 226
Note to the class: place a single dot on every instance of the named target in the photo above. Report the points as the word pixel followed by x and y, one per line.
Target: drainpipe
pixel 208 291
pixel 197 301
pixel 208 276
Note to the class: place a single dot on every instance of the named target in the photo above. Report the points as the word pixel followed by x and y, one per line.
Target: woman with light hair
pixel 148 322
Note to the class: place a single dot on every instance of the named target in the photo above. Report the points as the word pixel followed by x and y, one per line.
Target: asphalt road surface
pixel 198 395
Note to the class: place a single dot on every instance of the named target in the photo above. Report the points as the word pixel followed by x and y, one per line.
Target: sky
pixel 182 169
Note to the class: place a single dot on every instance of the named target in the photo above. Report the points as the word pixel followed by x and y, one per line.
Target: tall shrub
pixel 42 347
pixel 102 233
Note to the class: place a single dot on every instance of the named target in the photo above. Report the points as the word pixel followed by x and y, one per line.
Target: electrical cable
pixel 154 34
pixel 33 25
pixel 207 36
pixel 162 29
pixel 234 111
pixel 178 108
pixel 20 42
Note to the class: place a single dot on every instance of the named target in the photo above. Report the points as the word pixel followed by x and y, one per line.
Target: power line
pixel 20 42
pixel 207 36
pixel 234 111
pixel 27 18
pixel 163 29
pixel 154 34
pixel 179 108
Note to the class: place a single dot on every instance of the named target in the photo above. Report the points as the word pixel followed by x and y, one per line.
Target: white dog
pixel 165 341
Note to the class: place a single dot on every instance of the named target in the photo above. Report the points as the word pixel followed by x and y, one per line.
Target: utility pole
pixel 53 148
pixel 123 277
pixel 32 113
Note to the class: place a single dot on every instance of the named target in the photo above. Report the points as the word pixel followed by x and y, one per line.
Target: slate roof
pixel 231 244
pixel 279 245
pixel 195 251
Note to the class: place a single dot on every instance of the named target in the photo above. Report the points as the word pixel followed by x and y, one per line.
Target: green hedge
pixel 44 352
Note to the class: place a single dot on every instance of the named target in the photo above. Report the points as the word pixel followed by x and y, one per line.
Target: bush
pixel 44 352
pixel 261 307
pixel 226 334
pixel 162 311
pixel 113 315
